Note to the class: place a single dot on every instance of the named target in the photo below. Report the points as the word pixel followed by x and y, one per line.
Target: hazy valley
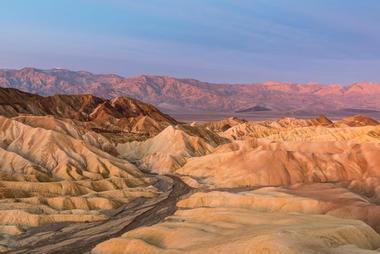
pixel 190 99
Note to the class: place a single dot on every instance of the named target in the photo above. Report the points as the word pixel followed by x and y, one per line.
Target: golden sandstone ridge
pixel 58 162
pixel 48 176
pixel 83 174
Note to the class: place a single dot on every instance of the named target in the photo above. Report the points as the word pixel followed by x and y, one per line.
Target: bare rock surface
pixel 262 221
pixel 83 174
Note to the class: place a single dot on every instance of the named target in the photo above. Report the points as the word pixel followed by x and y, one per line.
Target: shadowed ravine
pixel 82 237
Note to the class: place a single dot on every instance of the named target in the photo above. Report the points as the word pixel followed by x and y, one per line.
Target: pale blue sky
pixel 328 41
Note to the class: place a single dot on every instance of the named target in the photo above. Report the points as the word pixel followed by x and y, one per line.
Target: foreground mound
pixel 249 222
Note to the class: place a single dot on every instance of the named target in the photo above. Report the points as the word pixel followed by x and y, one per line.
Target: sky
pixel 234 41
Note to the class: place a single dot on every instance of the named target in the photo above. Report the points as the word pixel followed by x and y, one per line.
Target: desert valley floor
pixel 83 174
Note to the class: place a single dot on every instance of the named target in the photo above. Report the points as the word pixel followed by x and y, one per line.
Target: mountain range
pixel 175 95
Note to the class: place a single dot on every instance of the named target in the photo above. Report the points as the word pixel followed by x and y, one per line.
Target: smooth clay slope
pixel 268 220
